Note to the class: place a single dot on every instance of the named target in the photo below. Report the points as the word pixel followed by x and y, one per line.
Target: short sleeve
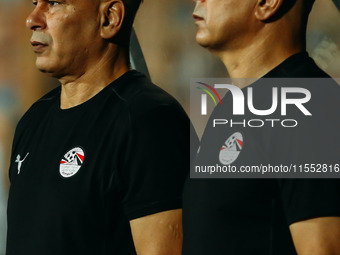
pixel 309 198
pixel 315 141
pixel 157 161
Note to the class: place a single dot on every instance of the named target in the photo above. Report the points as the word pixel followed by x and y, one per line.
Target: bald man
pixel 264 39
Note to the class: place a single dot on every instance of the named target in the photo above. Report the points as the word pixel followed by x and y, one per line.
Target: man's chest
pixel 65 162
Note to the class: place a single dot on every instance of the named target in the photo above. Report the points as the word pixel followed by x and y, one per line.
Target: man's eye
pixel 53 3
pixel 35 3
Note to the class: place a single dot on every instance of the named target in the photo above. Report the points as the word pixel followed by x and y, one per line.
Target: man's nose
pixel 36 19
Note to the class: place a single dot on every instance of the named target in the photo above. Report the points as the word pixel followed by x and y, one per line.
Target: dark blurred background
pixel 166 32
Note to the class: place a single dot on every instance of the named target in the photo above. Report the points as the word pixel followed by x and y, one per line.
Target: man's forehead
pixel 69 1
pixel 84 2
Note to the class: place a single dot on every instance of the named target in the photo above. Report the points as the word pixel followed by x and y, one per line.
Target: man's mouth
pixel 197 17
pixel 38 47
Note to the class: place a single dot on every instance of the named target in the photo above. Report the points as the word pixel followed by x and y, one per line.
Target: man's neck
pixel 77 89
pixel 261 55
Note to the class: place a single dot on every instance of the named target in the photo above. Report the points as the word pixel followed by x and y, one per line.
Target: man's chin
pixel 202 40
pixel 44 68
pixel 209 44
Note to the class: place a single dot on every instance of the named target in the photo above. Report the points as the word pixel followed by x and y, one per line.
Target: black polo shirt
pixel 252 216
pixel 78 176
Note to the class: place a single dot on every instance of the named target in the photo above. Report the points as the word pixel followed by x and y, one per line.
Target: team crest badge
pixel 231 149
pixel 71 162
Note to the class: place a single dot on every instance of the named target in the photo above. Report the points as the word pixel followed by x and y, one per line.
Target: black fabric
pixel 133 153
pixel 252 216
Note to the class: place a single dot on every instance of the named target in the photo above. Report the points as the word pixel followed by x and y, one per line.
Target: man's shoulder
pixel 299 65
pixel 46 100
pixel 39 107
pixel 142 96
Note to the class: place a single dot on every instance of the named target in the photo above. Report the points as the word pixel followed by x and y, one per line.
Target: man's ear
pixel 266 9
pixel 112 16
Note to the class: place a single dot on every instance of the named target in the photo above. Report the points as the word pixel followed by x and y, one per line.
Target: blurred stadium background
pixel 166 33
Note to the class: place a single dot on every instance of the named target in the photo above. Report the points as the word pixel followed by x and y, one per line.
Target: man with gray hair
pixel 98 164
